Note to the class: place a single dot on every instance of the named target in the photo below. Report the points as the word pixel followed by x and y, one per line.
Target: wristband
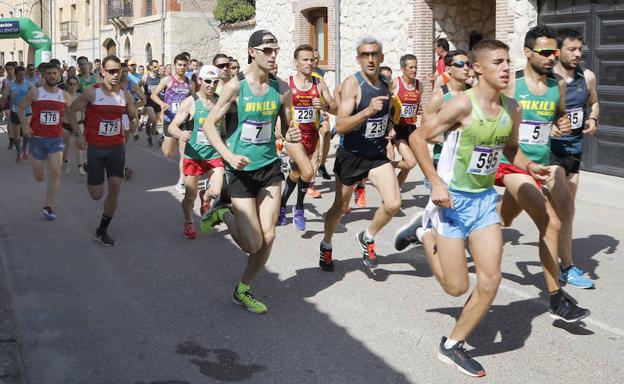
pixel 529 164
pixel 595 119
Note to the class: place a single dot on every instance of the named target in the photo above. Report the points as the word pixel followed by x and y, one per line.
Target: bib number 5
pixel 534 132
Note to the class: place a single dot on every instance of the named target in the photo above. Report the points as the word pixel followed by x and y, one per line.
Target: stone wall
pixel 455 19
pixel 233 41
pixel 524 13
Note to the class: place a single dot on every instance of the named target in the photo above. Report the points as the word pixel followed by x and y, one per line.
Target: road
pixel 156 308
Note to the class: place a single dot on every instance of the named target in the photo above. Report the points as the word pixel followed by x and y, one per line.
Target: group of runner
pixel 520 131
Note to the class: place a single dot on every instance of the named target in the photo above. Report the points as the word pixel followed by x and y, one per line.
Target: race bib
pixel 305 115
pixel 175 106
pixel 49 117
pixel 201 138
pixel 150 88
pixel 408 110
pixel 14 108
pixel 110 127
pixel 534 132
pixel 484 160
pixel 256 132
pixel 376 127
pixel 576 116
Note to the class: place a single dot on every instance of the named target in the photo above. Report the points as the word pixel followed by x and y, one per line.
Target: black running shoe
pixel 103 238
pixel 458 357
pixel 322 171
pixel 326 263
pixel 406 235
pixel 562 308
pixel 369 257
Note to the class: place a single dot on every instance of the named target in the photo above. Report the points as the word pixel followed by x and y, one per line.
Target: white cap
pixel 209 72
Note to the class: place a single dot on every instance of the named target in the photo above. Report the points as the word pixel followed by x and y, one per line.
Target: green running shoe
pixel 247 300
pixel 212 218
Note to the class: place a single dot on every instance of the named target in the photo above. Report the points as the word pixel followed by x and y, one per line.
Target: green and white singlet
pixel 471 154
pixel 255 135
pixel 198 147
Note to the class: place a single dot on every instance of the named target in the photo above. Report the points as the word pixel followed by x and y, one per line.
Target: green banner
pixel 30 32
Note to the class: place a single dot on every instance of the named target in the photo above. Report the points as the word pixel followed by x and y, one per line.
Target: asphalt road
pixel 156 308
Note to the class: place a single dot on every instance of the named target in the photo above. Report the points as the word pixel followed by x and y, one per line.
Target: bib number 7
pixel 256 132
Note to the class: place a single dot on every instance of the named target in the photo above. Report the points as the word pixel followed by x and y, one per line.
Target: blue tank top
pixel 18 91
pixel 577 94
pixel 368 140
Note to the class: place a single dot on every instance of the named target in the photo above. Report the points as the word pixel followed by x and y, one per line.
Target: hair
pixel 112 58
pixel 385 68
pixel 232 60
pixel 10 64
pixel 448 59
pixel 568 34
pixel 20 68
pixel 537 32
pixel 405 58
pixel 181 57
pixel 71 67
pixel 303 47
pixel 443 43
pixel 57 62
pixel 50 65
pixel 124 64
pixel 219 56
pixel 73 78
pixel 188 56
pixel 486 45
pixel 97 61
pixel 194 61
pixel 82 58
pixel 367 40
pixel 153 61
pixel 29 66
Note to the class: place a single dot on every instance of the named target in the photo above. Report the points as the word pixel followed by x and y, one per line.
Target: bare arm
pixel 21 109
pixel 155 96
pixel 594 106
pixel 139 92
pixel 78 105
pixel 330 103
pixel 187 108
pixel 345 122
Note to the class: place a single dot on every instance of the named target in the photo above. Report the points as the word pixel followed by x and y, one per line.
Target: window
pixel 87 15
pixel 318 32
pixel 20 56
pixel 149 10
pixel 73 13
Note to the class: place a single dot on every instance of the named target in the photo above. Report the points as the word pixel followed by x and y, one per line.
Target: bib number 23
pixel 376 127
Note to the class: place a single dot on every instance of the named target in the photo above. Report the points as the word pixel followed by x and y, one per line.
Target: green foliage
pixel 233 11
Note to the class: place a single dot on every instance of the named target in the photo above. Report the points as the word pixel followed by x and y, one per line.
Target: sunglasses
pixel 461 64
pixel 113 71
pixel 268 51
pixel 223 65
pixel 235 67
pixel 373 54
pixel 209 81
pixel 545 52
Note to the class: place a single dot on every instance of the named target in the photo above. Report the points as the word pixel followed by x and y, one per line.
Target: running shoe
pixel 313 192
pixel 360 197
pixel 189 231
pixel 281 219
pixel 562 308
pixel 24 155
pixel 212 218
pixel 128 172
pixel 573 275
pixel 249 301
pixel 369 257
pixel 82 169
pixel 48 214
pixel 66 167
pixel 326 263
pixel 180 188
pixel 299 219
pixel 458 357
pixel 136 137
pixel 103 238
pixel 322 172
pixel 406 235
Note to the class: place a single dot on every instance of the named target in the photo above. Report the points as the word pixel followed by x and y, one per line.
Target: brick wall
pixel 504 21
pixel 421 30
pixel 302 26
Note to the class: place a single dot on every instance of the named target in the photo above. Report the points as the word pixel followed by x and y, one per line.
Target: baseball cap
pixel 259 39
pixel 209 72
pixel 131 62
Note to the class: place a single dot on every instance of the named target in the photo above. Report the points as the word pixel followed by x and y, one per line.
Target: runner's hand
pixel 441 196
pixel 564 125
pixel 590 127
pixel 293 135
pixel 164 107
pixel 238 162
pixel 185 136
pixel 316 103
pixel 391 134
pixel 539 172
pixel 376 105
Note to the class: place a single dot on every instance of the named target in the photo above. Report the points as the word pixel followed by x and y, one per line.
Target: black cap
pixel 259 38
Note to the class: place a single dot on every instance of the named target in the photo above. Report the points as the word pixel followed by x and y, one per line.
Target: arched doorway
pixel 127 50
pixel 110 46
pixel 148 53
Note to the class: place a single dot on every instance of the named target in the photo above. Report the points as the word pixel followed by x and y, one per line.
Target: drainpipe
pixel 93 57
pixel 52 28
pixel 162 31
pixel 337 44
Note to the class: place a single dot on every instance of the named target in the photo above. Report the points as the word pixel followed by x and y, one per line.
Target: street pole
pixel 162 31
pixel 337 44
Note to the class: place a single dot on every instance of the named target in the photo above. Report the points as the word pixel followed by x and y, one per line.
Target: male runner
pixel 177 88
pixel 234 67
pixel 254 173
pixel 222 61
pixel 15 93
pixel 46 132
pixel 106 156
pixel 480 124
pixel 192 69
pixel 87 79
pixel 150 82
pixel 363 121
pixel 407 90
pixel 32 76
pixel 133 75
pixel 5 102
pixel 324 130
pixel 71 86
pixel 543 115
pixel 310 95
pixel 200 158
pixel 139 100
pixel 583 110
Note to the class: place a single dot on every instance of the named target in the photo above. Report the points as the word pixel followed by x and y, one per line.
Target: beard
pixel 540 70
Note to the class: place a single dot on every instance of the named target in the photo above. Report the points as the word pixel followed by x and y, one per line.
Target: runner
pixel 566 151
pixel 133 75
pixel 234 67
pixel 105 105
pixel 254 174
pixel 222 61
pixel 200 158
pixel 324 130
pixel 32 76
pixel 16 92
pixel 363 121
pixel 139 100
pixel 193 68
pixel 72 90
pixel 309 96
pixel 46 132
pixel 150 81
pixel 87 79
pixel 407 90
pixel 480 124
pixel 177 88
pixel 5 102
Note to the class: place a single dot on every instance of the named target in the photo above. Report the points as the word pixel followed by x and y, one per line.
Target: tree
pixel 233 11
